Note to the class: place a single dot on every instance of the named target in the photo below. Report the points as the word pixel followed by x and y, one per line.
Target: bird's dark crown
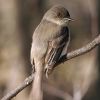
pixel 57 11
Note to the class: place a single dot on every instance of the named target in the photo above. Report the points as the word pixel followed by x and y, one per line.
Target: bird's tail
pixel 37 91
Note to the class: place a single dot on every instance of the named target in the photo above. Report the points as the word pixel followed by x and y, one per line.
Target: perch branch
pixel 80 51
pixel 14 92
pixel 64 58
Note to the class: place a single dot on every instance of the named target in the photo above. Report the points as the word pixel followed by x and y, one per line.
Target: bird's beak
pixel 69 19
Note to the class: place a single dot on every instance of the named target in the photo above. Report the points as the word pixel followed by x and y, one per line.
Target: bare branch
pixel 80 51
pixel 14 92
pixel 64 58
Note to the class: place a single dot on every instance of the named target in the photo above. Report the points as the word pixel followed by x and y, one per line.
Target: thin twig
pixel 64 58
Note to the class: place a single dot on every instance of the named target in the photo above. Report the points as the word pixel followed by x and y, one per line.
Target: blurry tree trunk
pixel 92 6
pixel 98 87
pixel 12 67
pixel 30 15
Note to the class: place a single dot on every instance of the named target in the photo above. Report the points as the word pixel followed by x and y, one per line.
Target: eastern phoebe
pixel 50 38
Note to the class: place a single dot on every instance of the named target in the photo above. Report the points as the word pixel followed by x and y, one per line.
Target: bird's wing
pixel 55 48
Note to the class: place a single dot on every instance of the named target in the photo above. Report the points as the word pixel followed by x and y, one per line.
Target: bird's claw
pixel 47 71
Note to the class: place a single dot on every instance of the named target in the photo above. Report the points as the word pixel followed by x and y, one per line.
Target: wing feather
pixel 55 48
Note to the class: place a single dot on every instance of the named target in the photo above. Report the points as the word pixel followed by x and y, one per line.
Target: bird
pixel 49 41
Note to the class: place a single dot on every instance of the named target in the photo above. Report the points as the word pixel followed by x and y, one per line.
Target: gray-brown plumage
pixel 49 40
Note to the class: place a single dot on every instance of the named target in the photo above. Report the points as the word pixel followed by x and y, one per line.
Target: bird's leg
pixel 33 68
pixel 48 69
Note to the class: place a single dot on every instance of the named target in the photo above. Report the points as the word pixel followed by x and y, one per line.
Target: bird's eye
pixel 59 15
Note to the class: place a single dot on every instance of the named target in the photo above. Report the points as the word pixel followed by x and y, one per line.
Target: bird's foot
pixel 47 71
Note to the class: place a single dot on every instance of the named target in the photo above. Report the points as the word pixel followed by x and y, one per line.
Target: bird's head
pixel 58 15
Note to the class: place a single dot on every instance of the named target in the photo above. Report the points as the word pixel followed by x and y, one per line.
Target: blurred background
pixel 19 18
